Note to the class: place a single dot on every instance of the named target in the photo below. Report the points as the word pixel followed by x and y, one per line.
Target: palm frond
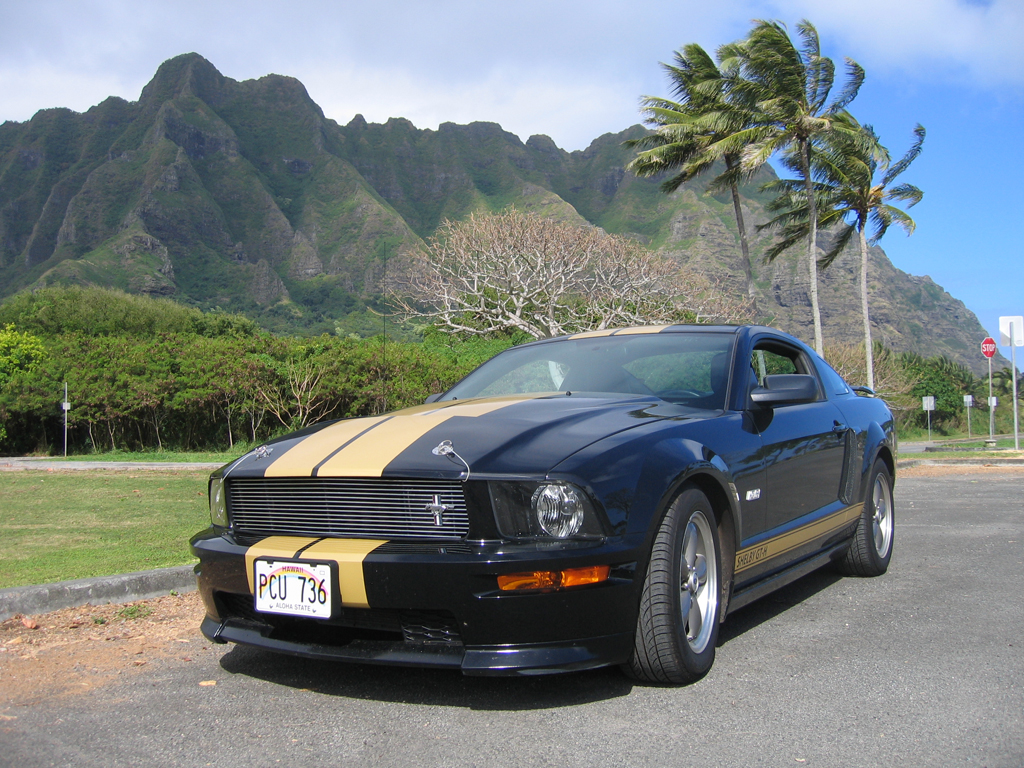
pixel 904 162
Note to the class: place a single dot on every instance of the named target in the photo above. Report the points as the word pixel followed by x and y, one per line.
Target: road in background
pixel 923 666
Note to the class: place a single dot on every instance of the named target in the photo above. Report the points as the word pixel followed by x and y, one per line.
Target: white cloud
pixel 570 112
pixel 928 39
pixel 42 86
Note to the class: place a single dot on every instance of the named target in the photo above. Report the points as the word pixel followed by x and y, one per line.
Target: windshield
pixel 690 368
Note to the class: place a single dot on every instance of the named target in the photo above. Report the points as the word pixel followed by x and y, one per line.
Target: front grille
pixel 346 507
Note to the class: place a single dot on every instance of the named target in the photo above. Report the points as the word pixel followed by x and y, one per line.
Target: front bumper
pixel 433 604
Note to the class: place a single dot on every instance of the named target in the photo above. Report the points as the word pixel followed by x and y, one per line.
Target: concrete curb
pixel 92 466
pixel 908 463
pixel 123 588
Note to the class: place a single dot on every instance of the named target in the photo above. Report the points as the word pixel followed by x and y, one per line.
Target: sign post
pixel 1011 334
pixel 928 404
pixel 968 404
pixel 988 349
pixel 65 406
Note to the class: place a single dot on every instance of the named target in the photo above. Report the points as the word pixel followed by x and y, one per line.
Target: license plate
pixel 293 588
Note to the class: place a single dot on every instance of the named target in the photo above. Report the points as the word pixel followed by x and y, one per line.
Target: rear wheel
pixel 678 623
pixel 871 549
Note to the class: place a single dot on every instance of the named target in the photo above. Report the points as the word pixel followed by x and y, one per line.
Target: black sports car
pixel 603 498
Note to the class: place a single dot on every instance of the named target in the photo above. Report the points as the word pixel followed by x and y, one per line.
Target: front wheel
pixel 871 549
pixel 678 623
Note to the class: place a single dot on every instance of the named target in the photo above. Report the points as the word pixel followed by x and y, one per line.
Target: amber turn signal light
pixel 571 577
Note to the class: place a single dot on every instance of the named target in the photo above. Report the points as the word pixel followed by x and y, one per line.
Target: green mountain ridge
pixel 244 196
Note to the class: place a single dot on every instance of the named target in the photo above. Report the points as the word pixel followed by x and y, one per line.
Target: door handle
pixel 838 428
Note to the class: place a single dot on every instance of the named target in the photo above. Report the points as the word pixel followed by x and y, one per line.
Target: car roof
pixel 679 328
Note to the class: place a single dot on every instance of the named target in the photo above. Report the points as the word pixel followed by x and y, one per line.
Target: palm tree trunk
pixel 812 242
pixel 748 272
pixel 869 352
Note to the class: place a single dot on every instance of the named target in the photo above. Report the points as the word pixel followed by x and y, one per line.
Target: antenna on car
pixel 445 448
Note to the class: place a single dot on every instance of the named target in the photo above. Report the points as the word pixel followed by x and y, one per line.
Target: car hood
pixel 520 435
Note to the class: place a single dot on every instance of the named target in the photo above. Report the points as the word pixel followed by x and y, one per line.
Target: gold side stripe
pixel 347 553
pixel 370 454
pixel 787 542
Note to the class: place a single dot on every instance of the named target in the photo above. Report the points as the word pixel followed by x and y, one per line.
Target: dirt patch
pixel 75 650
pixel 945 470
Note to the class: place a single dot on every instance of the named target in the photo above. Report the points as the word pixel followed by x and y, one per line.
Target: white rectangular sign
pixel 928 403
pixel 1018 330
pixel 969 401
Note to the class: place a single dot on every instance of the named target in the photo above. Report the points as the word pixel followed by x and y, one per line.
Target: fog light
pixel 571 577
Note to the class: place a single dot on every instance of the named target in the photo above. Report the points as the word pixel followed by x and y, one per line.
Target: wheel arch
pixel 728 529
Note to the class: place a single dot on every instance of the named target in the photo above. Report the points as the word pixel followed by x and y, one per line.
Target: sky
pixel 575 69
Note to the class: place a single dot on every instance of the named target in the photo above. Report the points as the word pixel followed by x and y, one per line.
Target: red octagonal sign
pixel 988 347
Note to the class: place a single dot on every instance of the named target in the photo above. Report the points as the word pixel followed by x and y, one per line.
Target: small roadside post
pixel 968 404
pixel 1011 334
pixel 928 404
pixel 65 406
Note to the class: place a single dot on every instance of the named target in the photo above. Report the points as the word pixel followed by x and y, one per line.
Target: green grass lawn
pixel 70 525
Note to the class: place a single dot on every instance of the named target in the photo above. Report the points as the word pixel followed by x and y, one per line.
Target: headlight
pixel 559 510
pixel 555 510
pixel 218 502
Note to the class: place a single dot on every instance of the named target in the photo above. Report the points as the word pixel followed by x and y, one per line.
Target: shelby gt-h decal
pixel 604 498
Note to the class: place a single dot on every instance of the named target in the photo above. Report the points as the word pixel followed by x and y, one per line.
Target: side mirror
pixel 786 389
pixel 433 398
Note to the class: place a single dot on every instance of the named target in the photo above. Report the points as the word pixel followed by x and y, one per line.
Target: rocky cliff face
pixel 243 195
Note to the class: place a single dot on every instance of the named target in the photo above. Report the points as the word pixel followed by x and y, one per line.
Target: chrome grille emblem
pixel 437 509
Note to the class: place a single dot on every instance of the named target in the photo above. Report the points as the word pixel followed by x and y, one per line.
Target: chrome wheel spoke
pixel 686 604
pixel 690 540
pixel 694 621
pixel 701 569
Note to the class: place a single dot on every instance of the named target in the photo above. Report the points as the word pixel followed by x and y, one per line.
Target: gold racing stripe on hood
pixel 283 547
pixel 349 555
pixel 370 454
pixel 302 458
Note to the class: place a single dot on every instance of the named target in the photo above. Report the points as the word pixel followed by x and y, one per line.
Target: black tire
pixel 871 549
pixel 677 628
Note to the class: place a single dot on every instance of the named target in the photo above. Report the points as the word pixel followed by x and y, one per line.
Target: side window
pixel 771 357
pixel 767 363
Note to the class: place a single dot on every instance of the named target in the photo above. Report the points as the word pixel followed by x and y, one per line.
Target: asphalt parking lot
pixel 921 667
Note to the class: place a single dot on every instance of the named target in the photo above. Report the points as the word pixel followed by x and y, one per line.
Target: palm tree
pixel 848 191
pixel 686 132
pixel 788 89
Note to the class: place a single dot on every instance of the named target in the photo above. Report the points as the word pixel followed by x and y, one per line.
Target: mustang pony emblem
pixel 437 509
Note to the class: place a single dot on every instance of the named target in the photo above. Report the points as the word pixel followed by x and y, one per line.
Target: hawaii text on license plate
pixel 294 588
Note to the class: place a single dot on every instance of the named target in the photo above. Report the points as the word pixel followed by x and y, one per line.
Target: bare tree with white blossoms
pixel 515 271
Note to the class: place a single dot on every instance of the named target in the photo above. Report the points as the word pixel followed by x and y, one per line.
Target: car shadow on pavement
pixel 451 688
pixel 427 686
pixel 778 602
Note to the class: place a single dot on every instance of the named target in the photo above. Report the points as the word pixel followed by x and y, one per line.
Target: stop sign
pixel 988 347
